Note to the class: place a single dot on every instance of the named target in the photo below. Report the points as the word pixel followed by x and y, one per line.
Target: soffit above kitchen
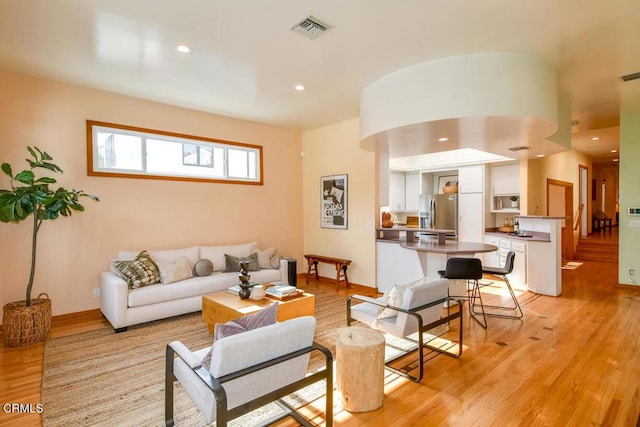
pixel 504 103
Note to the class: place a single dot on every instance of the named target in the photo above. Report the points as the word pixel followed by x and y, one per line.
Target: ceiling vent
pixel 311 27
pixel 630 77
pixel 522 147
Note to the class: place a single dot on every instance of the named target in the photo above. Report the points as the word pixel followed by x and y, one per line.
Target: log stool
pixel 360 368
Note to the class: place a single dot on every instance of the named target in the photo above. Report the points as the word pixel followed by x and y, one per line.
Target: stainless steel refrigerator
pixel 439 211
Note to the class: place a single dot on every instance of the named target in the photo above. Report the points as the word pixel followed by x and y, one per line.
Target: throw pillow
pixel 203 267
pixel 394 297
pixel 174 272
pixel 142 271
pixel 268 258
pixel 232 263
pixel 265 317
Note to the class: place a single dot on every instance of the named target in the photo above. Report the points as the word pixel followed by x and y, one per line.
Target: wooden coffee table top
pixel 221 307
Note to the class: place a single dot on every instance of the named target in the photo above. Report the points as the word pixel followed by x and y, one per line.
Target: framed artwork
pixel 333 201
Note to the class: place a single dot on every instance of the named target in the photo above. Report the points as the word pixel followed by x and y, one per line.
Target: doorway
pixel 584 200
pixel 560 204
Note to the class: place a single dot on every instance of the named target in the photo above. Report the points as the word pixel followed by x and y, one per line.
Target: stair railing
pixel 577 223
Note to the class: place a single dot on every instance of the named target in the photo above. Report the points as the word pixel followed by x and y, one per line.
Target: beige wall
pixel 562 167
pixel 334 150
pixel 135 213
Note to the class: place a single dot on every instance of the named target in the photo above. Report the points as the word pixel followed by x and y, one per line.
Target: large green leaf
pixel 45 179
pixel 6 168
pixel 25 177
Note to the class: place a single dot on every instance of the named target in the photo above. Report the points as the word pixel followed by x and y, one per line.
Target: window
pixel 124 151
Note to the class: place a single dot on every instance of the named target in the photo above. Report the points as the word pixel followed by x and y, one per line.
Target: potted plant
pixel 514 201
pixel 28 321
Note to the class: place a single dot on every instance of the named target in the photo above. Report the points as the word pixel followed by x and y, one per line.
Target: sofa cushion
pixel 203 267
pixel 268 258
pixel 215 254
pixel 265 317
pixel 232 263
pixel 194 287
pixel 171 272
pixel 139 272
pixel 168 255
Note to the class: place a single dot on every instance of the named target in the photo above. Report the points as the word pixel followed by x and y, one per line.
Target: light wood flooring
pixel 572 361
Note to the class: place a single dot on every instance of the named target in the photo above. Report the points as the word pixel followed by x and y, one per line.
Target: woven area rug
pixel 100 378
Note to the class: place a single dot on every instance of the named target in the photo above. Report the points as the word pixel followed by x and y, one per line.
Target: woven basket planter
pixel 24 325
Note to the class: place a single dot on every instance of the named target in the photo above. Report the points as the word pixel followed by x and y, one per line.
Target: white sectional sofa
pixel 124 306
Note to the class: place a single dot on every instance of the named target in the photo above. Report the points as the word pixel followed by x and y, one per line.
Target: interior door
pixel 560 204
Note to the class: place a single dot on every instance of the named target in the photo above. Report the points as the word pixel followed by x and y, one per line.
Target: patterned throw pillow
pixel 232 263
pixel 265 317
pixel 142 271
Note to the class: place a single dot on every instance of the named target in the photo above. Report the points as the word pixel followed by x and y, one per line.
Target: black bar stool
pixel 469 269
pixel 503 272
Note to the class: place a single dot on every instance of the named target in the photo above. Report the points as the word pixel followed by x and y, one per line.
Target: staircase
pixel 597 250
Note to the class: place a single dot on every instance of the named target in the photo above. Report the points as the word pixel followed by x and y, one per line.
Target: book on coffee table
pixel 235 290
pixel 283 292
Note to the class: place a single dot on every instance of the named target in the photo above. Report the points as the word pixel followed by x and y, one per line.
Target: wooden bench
pixel 340 263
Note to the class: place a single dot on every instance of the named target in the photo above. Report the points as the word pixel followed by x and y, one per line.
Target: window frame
pixel 92 169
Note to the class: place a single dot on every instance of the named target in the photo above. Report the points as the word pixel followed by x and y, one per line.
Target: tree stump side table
pixel 360 368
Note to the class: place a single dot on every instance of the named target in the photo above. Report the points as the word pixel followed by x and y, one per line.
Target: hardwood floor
pixel 572 361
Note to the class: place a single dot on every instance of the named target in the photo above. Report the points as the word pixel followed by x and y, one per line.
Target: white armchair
pixel 249 370
pixel 418 309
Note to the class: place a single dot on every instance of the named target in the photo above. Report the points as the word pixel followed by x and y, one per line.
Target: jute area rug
pixel 99 378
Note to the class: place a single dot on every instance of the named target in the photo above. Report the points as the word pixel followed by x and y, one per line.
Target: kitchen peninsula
pixel 406 254
pixel 403 257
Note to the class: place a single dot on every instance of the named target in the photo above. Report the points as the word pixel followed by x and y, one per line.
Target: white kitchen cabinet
pixel 396 191
pixel 491 259
pixel 471 179
pixel 471 217
pixel 404 191
pixel 505 180
pixel 518 277
pixel 412 191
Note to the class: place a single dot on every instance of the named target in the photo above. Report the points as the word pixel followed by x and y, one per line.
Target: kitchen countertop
pixel 535 236
pixel 449 247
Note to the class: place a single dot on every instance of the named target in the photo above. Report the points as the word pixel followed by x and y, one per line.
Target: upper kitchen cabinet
pixel 412 191
pixel 396 191
pixel 505 180
pixel 471 179
pixel 404 191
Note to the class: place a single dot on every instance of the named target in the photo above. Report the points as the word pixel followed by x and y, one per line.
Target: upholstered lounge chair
pixel 420 310
pixel 249 370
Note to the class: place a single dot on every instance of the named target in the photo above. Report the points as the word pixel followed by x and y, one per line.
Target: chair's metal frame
pixel 502 272
pixel 216 385
pixel 422 328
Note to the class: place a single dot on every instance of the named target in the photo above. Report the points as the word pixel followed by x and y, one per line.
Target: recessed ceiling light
pixel 443 139
pixel 614 151
pixel 539 155
pixel 299 87
pixel 595 138
pixel 182 48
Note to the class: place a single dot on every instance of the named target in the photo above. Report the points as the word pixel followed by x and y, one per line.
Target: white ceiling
pixel 245 60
